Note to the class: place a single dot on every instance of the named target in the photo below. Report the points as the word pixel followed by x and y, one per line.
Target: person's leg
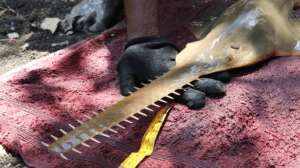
pixel 141 18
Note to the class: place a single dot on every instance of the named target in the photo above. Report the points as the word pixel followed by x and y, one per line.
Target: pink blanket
pixel 256 124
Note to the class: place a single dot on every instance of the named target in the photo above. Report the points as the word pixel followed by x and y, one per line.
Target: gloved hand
pixel 94 16
pixel 148 56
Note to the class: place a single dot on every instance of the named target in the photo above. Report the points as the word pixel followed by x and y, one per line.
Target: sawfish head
pixel 247 32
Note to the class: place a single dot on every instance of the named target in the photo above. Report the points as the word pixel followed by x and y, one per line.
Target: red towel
pixel 256 124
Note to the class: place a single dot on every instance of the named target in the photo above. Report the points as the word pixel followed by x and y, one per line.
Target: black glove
pixel 147 57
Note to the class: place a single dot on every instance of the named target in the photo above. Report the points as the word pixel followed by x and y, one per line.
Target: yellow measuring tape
pixel 148 140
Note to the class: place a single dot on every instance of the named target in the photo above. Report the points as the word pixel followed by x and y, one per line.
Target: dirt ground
pixel 25 18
